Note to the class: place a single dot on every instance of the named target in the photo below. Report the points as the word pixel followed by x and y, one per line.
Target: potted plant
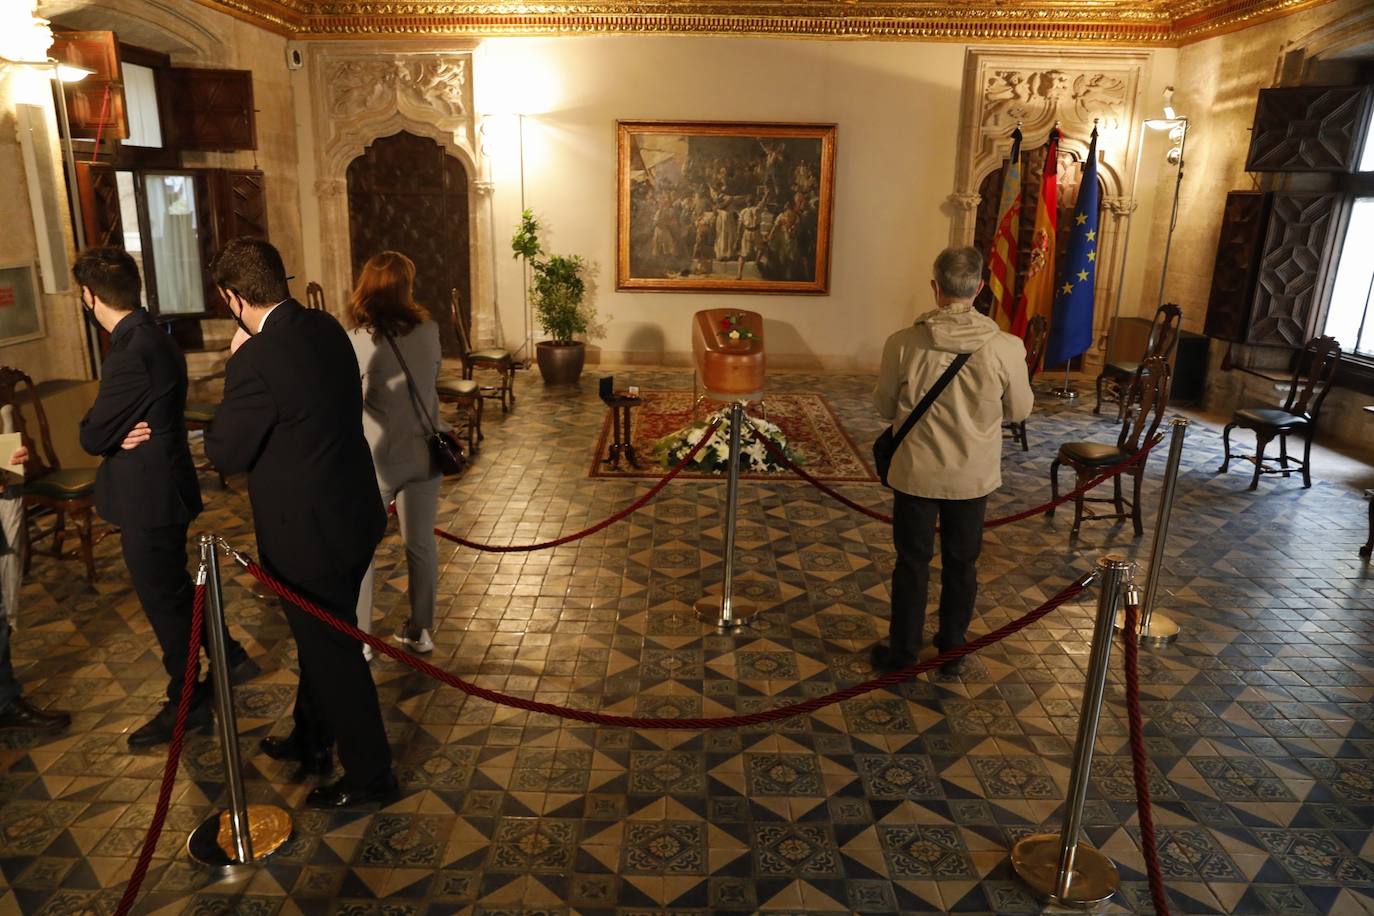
pixel 559 297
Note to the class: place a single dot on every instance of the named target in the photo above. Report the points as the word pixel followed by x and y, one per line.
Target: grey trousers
pixel 417 504
pixel 11 571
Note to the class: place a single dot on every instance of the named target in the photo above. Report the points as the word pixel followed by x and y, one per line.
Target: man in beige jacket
pixel 952 458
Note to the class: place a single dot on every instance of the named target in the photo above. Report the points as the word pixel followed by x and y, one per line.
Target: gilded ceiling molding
pixel 1096 22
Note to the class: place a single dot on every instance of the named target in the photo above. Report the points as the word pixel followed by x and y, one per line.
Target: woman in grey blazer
pixel 382 307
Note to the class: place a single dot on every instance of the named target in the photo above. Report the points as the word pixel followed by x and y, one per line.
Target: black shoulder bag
pixel 885 446
pixel 447 453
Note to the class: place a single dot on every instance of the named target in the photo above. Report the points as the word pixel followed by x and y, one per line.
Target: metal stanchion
pixel 1068 392
pixel 724 611
pixel 1159 629
pixel 241 833
pixel 1059 868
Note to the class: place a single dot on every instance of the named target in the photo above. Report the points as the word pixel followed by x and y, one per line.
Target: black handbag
pixel 885 446
pixel 443 448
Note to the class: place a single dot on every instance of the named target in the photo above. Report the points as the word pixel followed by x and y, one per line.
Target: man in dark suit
pixel 146 485
pixel 292 418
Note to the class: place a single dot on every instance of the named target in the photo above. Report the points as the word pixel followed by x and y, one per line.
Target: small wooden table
pixel 1369 542
pixel 622 441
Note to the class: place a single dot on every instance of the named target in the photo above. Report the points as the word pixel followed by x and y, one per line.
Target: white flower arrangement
pixel 714 456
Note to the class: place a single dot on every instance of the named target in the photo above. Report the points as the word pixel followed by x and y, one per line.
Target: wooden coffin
pixel 729 370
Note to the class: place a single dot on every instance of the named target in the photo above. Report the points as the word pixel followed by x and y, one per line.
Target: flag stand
pixel 1068 392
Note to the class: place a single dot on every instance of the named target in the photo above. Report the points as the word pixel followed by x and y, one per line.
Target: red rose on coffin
pixel 725 324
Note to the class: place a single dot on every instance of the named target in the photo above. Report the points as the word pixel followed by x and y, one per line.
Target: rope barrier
pixel 1068 593
pixel 1112 471
pixel 1139 761
pixel 169 770
pixel 604 523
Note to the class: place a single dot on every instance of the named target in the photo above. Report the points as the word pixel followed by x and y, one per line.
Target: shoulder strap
pixel 425 421
pixel 929 398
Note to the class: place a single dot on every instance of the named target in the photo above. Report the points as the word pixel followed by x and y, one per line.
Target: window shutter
pixel 1236 266
pixel 240 204
pixel 211 109
pixel 99 193
pixel 1294 268
pixel 95 105
pixel 1309 129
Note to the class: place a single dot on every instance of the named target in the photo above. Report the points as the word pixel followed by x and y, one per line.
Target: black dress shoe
pixel 884 658
pixel 317 762
pixel 954 667
pixel 158 729
pixel 21 714
pixel 382 791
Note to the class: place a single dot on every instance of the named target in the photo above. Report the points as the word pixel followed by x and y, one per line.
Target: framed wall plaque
pixel 21 312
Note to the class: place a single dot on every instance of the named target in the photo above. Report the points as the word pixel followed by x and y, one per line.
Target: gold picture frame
pixel 720 206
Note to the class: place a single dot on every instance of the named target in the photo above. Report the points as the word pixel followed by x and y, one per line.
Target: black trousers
pixel 156 559
pixel 336 701
pixel 961 540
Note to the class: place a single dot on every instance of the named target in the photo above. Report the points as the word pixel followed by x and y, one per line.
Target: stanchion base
pixel 1064 394
pixel 1161 632
pixel 1094 879
pixel 212 844
pixel 712 611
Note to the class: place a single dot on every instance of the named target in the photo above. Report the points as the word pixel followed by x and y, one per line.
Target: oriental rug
pixel 813 431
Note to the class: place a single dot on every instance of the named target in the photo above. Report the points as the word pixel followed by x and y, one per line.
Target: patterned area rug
pixel 813 431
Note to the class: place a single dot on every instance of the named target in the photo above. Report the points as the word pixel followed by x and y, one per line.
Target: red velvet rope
pixel 169 770
pixel 1113 471
pixel 604 523
pixel 599 718
pixel 1139 762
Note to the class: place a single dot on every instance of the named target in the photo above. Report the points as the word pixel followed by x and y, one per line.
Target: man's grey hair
pixel 958 271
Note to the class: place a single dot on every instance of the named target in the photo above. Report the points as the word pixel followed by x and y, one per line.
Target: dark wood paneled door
pixel 408 195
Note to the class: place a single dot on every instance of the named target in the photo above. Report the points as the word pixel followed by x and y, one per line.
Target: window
pixel 1350 316
pixel 140 96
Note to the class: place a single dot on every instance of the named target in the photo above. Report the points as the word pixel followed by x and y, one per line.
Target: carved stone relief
pixel 435 84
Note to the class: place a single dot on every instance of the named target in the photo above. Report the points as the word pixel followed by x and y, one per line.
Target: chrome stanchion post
pixel 1159 629
pixel 1057 866
pixel 226 838
pixel 725 612
pixel 1068 392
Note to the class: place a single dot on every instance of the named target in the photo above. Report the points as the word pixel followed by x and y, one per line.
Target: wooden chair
pixel 493 358
pixel 67 493
pixel 1147 401
pixel 466 395
pixel 1298 415
pixel 314 296
pixel 1037 334
pixel 1119 377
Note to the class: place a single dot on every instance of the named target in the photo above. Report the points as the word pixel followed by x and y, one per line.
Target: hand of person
pixel 240 338
pixel 140 434
pixel 20 456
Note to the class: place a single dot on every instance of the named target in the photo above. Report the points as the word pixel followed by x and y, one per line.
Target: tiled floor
pixel 1260 719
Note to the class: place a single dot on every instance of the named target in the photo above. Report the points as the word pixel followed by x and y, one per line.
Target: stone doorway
pixel 406 193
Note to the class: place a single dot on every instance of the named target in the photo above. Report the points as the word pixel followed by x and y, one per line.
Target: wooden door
pixel 406 194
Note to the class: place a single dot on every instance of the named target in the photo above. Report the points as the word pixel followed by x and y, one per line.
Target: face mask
pixel 88 313
pixel 238 316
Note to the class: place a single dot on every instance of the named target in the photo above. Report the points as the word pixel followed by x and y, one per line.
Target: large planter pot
pixel 560 363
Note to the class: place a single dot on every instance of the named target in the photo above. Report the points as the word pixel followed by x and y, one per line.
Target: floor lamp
pixel 1178 133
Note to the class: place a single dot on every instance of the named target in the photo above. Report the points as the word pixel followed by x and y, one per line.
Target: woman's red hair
pixel 382 300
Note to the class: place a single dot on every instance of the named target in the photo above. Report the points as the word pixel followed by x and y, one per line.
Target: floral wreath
pixel 732 329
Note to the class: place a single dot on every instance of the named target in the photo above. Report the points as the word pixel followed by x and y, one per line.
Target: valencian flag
pixel 1071 328
pixel 1037 292
pixel 1002 264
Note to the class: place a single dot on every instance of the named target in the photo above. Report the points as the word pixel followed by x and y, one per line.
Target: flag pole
pixel 1068 392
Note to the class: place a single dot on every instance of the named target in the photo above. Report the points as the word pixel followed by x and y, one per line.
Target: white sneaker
pixel 367 652
pixel 422 644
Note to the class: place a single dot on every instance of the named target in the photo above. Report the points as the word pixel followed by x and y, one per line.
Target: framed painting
pixel 21 312
pixel 710 206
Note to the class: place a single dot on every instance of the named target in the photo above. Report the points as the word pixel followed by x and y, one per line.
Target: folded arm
pixel 119 405
pixel 243 421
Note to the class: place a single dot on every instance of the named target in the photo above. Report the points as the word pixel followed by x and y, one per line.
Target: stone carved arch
pixel 159 25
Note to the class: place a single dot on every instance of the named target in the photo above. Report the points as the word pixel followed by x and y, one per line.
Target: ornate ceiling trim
pixel 1096 22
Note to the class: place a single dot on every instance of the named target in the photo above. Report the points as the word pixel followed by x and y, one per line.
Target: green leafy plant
pixel 560 285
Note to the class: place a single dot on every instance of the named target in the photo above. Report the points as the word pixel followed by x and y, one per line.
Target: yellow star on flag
pixel 1092 234
pixel 1082 275
pixel 1067 289
pixel 1092 255
pixel 1081 218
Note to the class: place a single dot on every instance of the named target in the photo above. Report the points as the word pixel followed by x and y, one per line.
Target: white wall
pixel 897 107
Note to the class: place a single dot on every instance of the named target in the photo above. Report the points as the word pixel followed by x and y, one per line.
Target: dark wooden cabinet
pixel 1309 129
pixel 210 109
pixel 1237 264
pixel 95 105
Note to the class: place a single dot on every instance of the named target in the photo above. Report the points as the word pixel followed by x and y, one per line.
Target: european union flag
pixel 1071 325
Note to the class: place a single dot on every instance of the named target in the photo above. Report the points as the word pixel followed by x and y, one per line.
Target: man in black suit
pixel 146 485
pixel 292 418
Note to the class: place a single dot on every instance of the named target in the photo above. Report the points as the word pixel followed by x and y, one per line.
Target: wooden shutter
pixel 1309 129
pixel 1237 264
pixel 240 204
pixel 95 105
pixel 211 109
pixel 1294 267
pixel 99 192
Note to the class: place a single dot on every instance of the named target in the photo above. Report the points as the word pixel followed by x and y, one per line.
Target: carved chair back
pixel 40 461
pixel 455 304
pixel 314 296
pixel 1164 330
pixel 1321 356
pixel 1148 397
pixel 1037 334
